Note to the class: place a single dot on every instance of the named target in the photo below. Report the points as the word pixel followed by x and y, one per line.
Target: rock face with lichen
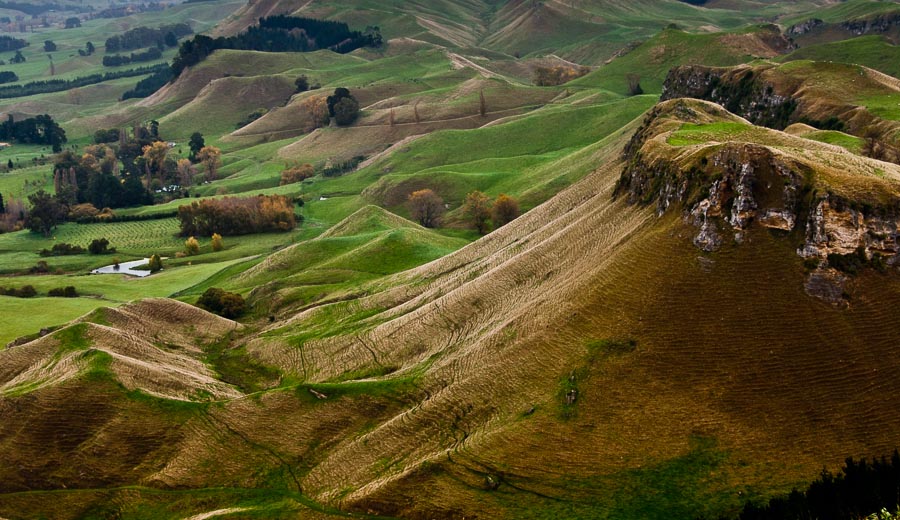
pixel 741 90
pixel 835 227
pixel 724 189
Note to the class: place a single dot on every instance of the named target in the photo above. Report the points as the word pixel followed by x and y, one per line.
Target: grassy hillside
pixel 680 322
pixel 871 51
pixel 652 60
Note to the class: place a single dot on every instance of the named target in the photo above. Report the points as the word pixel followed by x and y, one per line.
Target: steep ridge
pixel 859 100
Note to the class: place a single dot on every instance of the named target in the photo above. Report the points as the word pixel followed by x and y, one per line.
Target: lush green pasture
pixel 19 250
pixel 516 158
pixel 850 142
pixel 872 51
pixel 69 64
pixel 21 316
pixel 652 60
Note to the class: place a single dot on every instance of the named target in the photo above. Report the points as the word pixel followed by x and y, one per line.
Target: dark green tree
pixel 73 22
pixel 2 206
pixel 332 100
pixel 225 304
pixel 18 58
pixel 49 46
pixel 346 111
pixel 302 83
pixel 196 143
pixel 46 212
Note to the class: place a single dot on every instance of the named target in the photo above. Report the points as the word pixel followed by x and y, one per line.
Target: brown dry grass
pixel 476 346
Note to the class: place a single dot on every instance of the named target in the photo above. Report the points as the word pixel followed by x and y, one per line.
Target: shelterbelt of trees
pixel 279 34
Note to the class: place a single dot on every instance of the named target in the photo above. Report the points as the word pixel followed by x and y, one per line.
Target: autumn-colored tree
pixel 237 215
pixel 505 210
pixel 217 243
pixel 191 246
pixel 317 109
pixel 477 208
pixel 155 159
pixel 211 157
pixel 155 263
pixel 426 207
pixel 186 171
pixel 296 173
pixel 551 76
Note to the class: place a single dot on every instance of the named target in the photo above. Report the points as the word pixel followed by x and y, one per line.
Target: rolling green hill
pixel 694 311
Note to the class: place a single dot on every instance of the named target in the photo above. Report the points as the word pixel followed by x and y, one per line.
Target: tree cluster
pixel 31 8
pixel 278 34
pixel 237 216
pixel 130 9
pixel 60 85
pixel 557 75
pixel 45 214
pixel 62 249
pixel 858 490
pixel 34 130
pixel 296 173
pixel 68 291
pixel 100 246
pixel 8 43
pixel 147 37
pixel 26 291
pixel 116 60
pixel 226 304
pixel 7 76
pixel 479 209
pixel 150 84
pixel 342 106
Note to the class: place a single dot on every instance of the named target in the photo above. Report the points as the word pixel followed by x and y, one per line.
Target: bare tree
pixel 426 207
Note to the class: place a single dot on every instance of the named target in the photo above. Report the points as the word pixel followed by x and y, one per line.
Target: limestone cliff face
pixel 730 189
pixel 723 190
pixel 879 24
pixel 741 90
pixel 835 227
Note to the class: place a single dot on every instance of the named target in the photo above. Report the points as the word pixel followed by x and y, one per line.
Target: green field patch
pixel 692 134
pixel 849 142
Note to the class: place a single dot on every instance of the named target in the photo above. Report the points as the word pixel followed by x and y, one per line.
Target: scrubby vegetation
pixel 861 489
pixel 226 304
pixel 230 216
pixel 145 37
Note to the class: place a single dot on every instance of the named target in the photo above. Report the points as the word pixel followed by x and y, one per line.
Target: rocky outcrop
pixel 725 189
pixel 728 190
pixel 740 90
pixel 835 227
pixel 804 27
